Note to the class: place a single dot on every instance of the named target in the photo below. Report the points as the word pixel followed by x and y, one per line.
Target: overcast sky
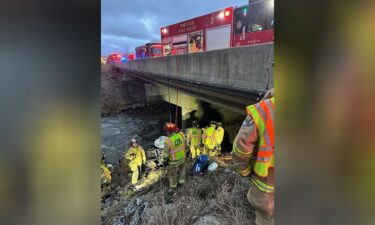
pixel 127 24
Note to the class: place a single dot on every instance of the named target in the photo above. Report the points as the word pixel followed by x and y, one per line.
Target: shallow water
pixel 146 124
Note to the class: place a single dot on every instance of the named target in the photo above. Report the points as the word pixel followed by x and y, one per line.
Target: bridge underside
pixel 220 95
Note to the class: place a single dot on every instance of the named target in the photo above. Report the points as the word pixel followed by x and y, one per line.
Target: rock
pixel 117 223
pixel 123 200
pixel 103 212
pixel 118 188
pixel 207 220
pixel 114 203
pixel 108 200
pixel 113 185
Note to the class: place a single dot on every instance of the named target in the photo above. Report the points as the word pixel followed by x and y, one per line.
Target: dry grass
pixel 220 194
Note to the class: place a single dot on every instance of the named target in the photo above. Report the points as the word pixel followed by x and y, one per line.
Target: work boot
pixel 171 191
pixel 169 195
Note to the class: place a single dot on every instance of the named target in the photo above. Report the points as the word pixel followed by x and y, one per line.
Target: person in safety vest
pixel 137 157
pixel 174 153
pixel 194 136
pixel 105 176
pixel 253 155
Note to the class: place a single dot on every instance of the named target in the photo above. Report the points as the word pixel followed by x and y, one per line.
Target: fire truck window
pixel 269 20
pixel 258 15
pixel 195 42
pixel 240 20
pixel 167 49
pixel 156 51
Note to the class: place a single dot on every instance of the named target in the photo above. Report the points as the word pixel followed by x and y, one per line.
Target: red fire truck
pixel 230 27
pixel 149 50
pixel 253 24
pixel 208 32
pixel 131 57
pixel 114 58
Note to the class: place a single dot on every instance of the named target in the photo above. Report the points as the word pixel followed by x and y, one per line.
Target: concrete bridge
pixel 229 78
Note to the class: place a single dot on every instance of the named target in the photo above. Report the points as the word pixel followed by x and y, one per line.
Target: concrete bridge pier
pixel 188 106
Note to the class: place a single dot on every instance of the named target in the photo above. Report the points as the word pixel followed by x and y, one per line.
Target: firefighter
pixel 194 137
pixel 137 158
pixel 212 139
pixel 253 155
pixel 218 138
pixel 208 139
pixel 174 153
pixel 105 176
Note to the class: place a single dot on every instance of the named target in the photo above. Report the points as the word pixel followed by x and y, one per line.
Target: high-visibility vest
pixel 195 135
pixel 208 137
pixel 262 114
pixel 176 144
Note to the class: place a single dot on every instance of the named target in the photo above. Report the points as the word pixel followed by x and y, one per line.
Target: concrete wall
pixel 241 67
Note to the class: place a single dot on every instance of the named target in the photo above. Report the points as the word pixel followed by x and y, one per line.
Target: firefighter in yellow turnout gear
pixel 212 138
pixel 137 157
pixel 174 153
pixel 194 136
pixel 105 176
pixel 218 136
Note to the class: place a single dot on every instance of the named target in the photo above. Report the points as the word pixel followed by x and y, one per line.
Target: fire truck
pixel 114 58
pixel 204 33
pixel 149 50
pixel 230 27
pixel 130 57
